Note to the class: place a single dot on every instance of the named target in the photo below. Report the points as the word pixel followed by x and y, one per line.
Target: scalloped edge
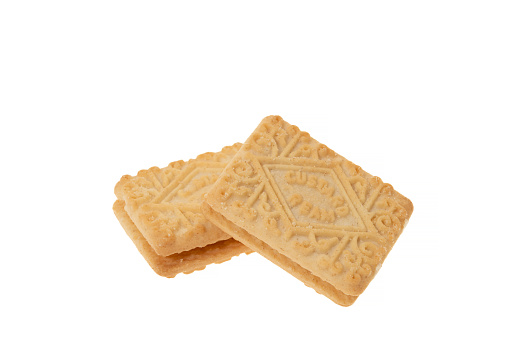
pixel 184 262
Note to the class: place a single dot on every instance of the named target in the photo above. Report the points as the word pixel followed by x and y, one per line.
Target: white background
pixel 414 92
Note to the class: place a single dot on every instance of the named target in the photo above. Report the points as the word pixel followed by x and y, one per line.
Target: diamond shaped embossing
pixel 164 203
pixel 308 209
pixel 193 186
pixel 314 197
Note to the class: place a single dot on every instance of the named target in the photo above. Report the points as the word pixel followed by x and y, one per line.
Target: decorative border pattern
pixel 346 256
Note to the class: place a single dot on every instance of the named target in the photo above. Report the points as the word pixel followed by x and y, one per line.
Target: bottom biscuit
pixel 277 258
pixel 184 262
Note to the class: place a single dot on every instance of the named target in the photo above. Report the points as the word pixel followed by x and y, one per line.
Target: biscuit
pixel 164 203
pixel 185 262
pixel 307 209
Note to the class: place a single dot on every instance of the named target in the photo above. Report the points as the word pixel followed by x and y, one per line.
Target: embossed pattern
pixel 310 204
pixel 184 262
pixel 164 203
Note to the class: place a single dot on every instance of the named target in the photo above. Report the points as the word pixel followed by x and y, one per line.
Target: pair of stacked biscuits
pixel 282 194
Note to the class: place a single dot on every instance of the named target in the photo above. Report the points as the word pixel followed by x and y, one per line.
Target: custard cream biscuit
pixel 164 205
pixel 307 209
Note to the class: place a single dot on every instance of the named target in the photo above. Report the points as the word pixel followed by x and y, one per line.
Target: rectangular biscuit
pixel 307 209
pixel 184 262
pixel 164 204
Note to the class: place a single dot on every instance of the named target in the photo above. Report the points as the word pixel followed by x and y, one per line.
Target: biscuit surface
pixel 310 205
pixel 164 203
pixel 184 262
pixel 291 267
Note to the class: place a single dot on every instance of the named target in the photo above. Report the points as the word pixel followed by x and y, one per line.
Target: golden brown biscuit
pixel 164 203
pixel 308 209
pixel 185 262
pixel 296 270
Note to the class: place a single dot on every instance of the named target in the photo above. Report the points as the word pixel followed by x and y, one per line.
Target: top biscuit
pixel 164 203
pixel 310 204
